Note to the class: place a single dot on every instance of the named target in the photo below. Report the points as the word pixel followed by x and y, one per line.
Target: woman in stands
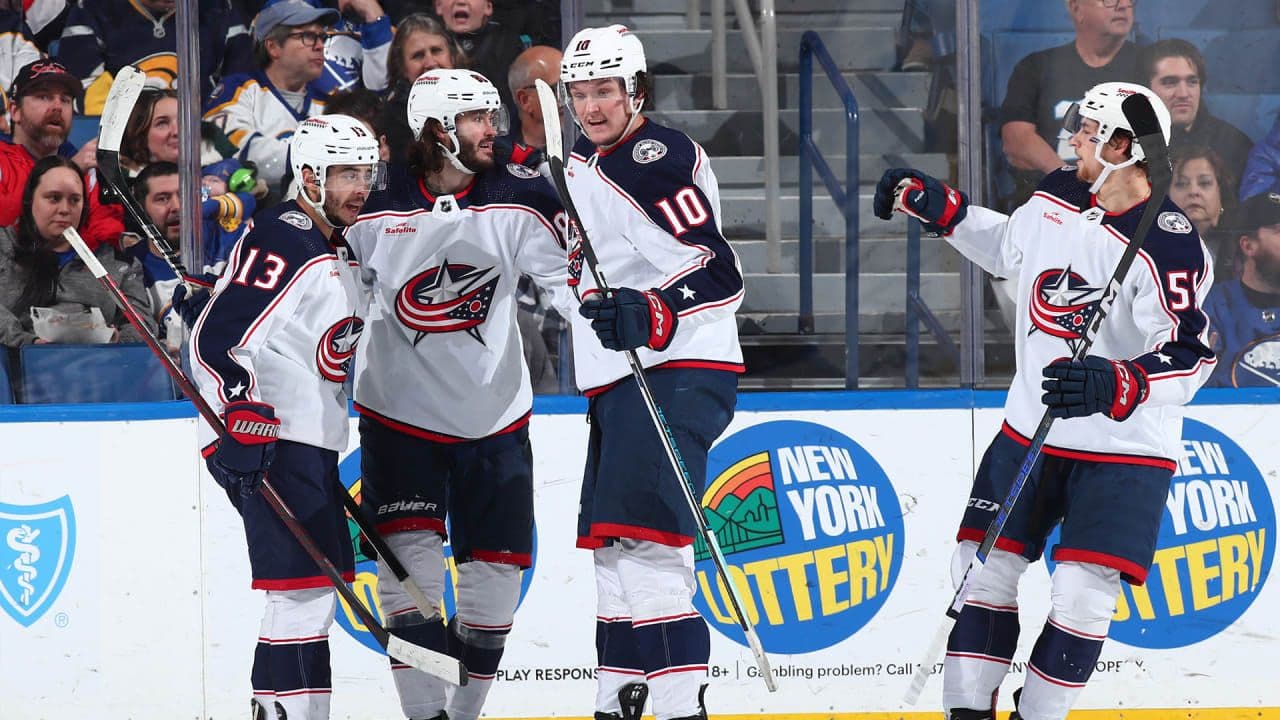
pixel 38 268
pixel 1205 189
pixel 421 43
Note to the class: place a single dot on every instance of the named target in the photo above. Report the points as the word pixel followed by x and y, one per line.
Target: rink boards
pixel 124 580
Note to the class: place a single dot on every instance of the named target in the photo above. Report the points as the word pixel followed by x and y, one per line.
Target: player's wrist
pixel 662 319
pixel 251 423
pixel 1131 389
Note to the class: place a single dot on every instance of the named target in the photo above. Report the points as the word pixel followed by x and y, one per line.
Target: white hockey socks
pixel 487 595
pixel 422 554
pixel 617 658
pixel 291 676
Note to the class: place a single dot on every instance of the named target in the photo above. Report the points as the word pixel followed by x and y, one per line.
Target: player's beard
pixel 470 157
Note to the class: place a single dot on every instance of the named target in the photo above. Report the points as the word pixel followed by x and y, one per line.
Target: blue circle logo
pixel 811 530
pixel 1214 551
pixel 365 585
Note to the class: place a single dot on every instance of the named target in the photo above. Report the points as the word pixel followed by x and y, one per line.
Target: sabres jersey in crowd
pixel 442 357
pixel 258 118
pixel 17 49
pixel 282 327
pixel 1245 332
pixel 1063 249
pixel 355 53
pixel 651 210
pixel 102 36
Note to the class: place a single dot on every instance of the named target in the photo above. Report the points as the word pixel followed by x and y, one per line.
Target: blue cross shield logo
pixel 36 546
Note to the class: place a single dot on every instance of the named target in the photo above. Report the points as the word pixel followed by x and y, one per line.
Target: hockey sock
pixel 617 660
pixel 421 695
pixel 291 677
pixel 672 640
pixel 422 553
pixel 480 651
pixel 984 639
pixel 487 594
pixel 1084 599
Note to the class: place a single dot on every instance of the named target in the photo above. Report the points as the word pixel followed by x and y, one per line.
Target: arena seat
pixel 6 385
pixel 126 372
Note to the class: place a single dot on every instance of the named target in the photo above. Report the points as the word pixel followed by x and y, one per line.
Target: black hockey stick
pixel 1142 118
pixel 555 158
pixel 429 661
pixel 125 89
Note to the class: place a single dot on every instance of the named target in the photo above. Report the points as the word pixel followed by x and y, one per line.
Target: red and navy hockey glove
pixel 506 150
pixel 1076 388
pixel 629 319
pixel 247 447
pixel 936 205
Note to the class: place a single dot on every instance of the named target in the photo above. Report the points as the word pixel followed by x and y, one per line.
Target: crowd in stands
pixel 265 65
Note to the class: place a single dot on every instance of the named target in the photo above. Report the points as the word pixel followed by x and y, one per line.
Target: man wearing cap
pixel 259 111
pixel 103 36
pixel 1244 312
pixel 40 103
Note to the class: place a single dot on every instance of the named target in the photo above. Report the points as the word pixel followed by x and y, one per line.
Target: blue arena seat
pixel 1239 61
pixel 83 129
pixel 1253 114
pixel 1004 50
pixel 1024 15
pixel 6 385
pixel 92 373
pixel 1203 14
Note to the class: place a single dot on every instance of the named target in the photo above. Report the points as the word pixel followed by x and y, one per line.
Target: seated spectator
pixel 259 111
pixel 40 102
pixel 103 36
pixel 355 50
pixel 17 48
pixel 1045 83
pixel 491 42
pixel 1244 312
pixel 38 268
pixel 1205 190
pixel 365 106
pixel 1262 169
pixel 1175 70
pixel 151 134
pixel 421 43
pixel 537 63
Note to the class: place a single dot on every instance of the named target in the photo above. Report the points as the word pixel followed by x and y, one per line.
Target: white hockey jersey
pixel 651 207
pixel 1063 249
pixel 442 356
pixel 282 327
pixel 258 120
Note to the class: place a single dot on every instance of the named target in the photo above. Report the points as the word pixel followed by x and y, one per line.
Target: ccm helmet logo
pixel 580 64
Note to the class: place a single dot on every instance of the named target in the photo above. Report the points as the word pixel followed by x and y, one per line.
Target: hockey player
pixel 442 388
pixel 270 352
pixel 1106 466
pixel 651 208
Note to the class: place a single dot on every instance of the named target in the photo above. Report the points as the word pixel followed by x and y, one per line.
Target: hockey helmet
pixel 326 140
pixel 1102 105
pixel 443 95
pixel 605 52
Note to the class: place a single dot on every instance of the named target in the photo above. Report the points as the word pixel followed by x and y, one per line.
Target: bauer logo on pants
pixel 1214 552
pixel 37 543
pixel 811 530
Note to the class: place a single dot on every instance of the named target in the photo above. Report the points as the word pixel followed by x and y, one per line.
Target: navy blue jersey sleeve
pixel 81 47
pixel 260 290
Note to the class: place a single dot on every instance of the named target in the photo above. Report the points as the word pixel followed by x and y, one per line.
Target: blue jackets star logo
pixel 451 297
pixel 1062 304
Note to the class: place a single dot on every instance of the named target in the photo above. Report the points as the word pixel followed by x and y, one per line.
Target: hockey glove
pixel 930 200
pixel 189 307
pixel 506 150
pixel 629 319
pixel 247 447
pixel 1076 388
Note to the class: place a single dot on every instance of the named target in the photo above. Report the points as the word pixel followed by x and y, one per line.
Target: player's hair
pixel 133 146
pixel 425 155
pixel 142 184
pixel 32 252
pixel 280 35
pixel 360 103
pixel 1173 47
pixel 419 22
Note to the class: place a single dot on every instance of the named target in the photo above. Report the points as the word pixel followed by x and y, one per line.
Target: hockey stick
pixel 555 158
pixel 428 661
pixel 125 89
pixel 1142 118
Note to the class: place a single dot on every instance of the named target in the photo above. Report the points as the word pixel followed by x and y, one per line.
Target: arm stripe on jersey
pixel 521 208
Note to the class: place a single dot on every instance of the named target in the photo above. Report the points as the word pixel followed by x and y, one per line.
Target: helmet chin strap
pixel 452 156
pixel 1107 169
pixel 636 104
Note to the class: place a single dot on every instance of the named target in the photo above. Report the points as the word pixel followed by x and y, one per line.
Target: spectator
pixel 537 63
pixel 1175 70
pixel 39 269
pixel 45 19
pixel 40 102
pixel 421 43
pixel 1204 188
pixel 259 111
pixel 1045 83
pixel 105 35
pixel 17 48
pixel 1262 169
pixel 492 43
pixel 365 106
pixel 1244 312
pixel 355 50
pixel 152 132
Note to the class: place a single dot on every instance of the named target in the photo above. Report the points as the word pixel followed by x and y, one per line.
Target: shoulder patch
pixel 296 219
pixel 648 150
pixel 521 171
pixel 1174 222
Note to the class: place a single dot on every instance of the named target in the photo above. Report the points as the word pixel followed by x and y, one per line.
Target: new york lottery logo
pixel 811 531
pixel 37 544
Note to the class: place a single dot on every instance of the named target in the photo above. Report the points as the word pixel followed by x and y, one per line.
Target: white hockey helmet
pixel 1102 104
pixel 443 95
pixel 606 52
pixel 326 140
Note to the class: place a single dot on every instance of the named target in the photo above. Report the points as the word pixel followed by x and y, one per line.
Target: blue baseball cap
pixel 290 13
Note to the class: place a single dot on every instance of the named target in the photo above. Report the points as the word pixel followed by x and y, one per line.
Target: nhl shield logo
pixel 37 543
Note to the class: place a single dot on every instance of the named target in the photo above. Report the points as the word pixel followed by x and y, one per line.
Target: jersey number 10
pixel 689 207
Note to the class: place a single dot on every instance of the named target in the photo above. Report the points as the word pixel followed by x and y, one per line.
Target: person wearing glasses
pixel 259 111
pixel 1046 82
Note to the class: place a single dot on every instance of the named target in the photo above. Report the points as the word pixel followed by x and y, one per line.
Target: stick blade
pixel 125 89
pixel 435 664
pixel 550 120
